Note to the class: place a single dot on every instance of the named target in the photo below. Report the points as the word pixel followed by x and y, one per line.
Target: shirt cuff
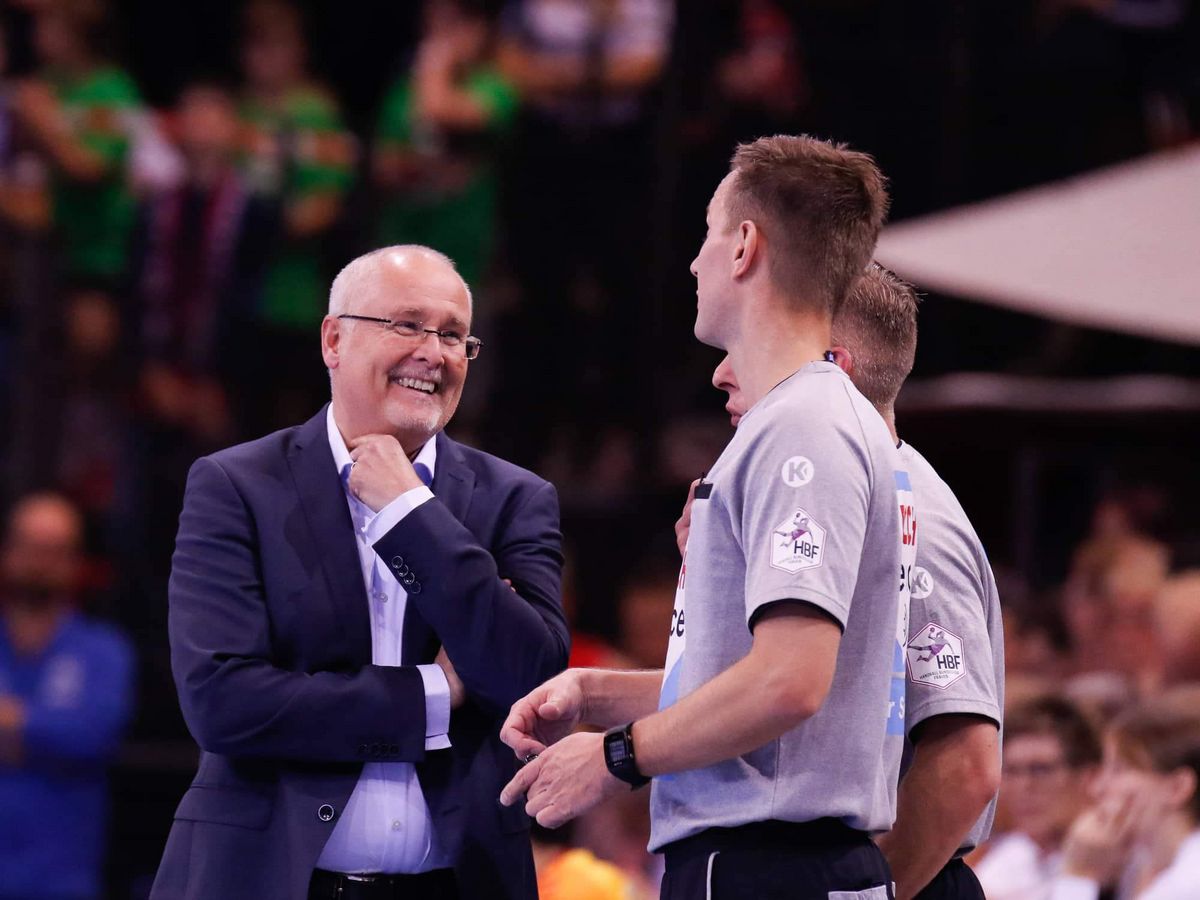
pixel 389 517
pixel 437 707
pixel 1074 887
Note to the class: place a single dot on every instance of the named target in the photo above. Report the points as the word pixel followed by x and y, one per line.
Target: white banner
pixel 1117 249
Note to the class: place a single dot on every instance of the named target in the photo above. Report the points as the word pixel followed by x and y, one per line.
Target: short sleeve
pixel 804 507
pixel 102 110
pixel 950 665
pixel 324 150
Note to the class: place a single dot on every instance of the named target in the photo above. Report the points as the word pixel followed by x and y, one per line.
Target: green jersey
pixel 454 210
pixel 95 218
pixel 296 149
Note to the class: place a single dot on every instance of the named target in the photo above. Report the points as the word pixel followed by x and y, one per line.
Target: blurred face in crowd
pixel 386 383
pixel 208 125
pixel 1042 791
pixel 41 556
pixel 467 33
pixel 273 50
pixel 713 268
pixel 57 40
pixel 1128 783
pixel 93 325
pixel 723 379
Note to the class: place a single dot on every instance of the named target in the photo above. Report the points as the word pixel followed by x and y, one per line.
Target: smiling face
pixel 383 383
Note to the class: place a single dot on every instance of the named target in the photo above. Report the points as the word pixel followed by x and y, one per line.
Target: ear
pixel 747 248
pixel 1182 786
pixel 844 359
pixel 331 338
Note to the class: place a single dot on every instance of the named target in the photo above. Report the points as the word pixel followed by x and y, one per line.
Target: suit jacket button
pixel 325 813
pixel 362 749
pixel 414 588
pixel 397 562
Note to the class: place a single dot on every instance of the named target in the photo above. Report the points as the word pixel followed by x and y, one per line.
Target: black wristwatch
pixel 620 758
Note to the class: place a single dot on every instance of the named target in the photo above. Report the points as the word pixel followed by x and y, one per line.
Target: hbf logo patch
pixel 935 656
pixel 797 543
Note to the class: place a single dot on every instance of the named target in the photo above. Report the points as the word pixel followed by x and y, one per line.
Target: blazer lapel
pixel 453 482
pixel 324 501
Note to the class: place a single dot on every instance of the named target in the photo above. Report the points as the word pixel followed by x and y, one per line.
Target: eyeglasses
pixel 451 340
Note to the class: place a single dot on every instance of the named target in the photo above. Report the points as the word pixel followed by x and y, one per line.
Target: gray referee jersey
pixel 808 502
pixel 955 650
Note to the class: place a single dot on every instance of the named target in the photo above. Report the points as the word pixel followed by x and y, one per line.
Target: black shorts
pixel 819 860
pixel 956 881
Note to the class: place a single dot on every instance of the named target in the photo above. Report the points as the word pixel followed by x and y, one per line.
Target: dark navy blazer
pixel 271 652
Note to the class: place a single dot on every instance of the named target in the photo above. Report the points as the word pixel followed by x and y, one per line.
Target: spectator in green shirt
pixel 296 151
pixel 436 140
pixel 78 113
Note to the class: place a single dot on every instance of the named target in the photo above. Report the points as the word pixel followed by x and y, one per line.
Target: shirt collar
pixel 341 456
pixel 815 367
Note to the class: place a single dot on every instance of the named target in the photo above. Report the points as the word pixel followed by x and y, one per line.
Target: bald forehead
pixel 413 268
pixel 379 282
pixel 414 263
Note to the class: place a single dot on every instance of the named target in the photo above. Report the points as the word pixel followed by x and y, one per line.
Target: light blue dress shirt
pixel 386 826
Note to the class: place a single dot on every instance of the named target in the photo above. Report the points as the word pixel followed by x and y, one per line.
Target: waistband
pixel 439 883
pixel 813 835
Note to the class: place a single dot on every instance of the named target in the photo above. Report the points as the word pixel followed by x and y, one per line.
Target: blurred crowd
pixel 164 269
pixel 1101 772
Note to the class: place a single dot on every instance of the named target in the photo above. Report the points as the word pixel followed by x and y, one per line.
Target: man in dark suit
pixel 328 611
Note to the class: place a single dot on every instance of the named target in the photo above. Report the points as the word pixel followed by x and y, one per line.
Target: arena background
pixel 1056 447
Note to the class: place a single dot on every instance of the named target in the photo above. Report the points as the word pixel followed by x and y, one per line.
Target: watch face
pixel 616 750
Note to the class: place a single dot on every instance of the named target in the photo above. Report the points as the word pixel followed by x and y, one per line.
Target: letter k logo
pixel 797 471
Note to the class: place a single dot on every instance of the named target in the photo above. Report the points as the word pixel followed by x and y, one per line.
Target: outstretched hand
pixel 546 715
pixel 565 781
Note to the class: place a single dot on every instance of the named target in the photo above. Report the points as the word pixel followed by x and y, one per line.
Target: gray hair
pixel 350 280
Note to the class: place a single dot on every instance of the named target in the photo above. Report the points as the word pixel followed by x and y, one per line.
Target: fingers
pixel 517 731
pixel 362 440
pixel 684 523
pixel 520 783
pixel 524 745
pixel 540 805
pixel 551 817
pixel 1128 815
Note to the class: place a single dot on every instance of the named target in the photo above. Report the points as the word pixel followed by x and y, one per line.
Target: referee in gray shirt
pixel 773 733
pixel 955 651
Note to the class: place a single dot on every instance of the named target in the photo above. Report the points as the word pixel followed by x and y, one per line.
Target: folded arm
pixel 237 695
pixel 503 641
